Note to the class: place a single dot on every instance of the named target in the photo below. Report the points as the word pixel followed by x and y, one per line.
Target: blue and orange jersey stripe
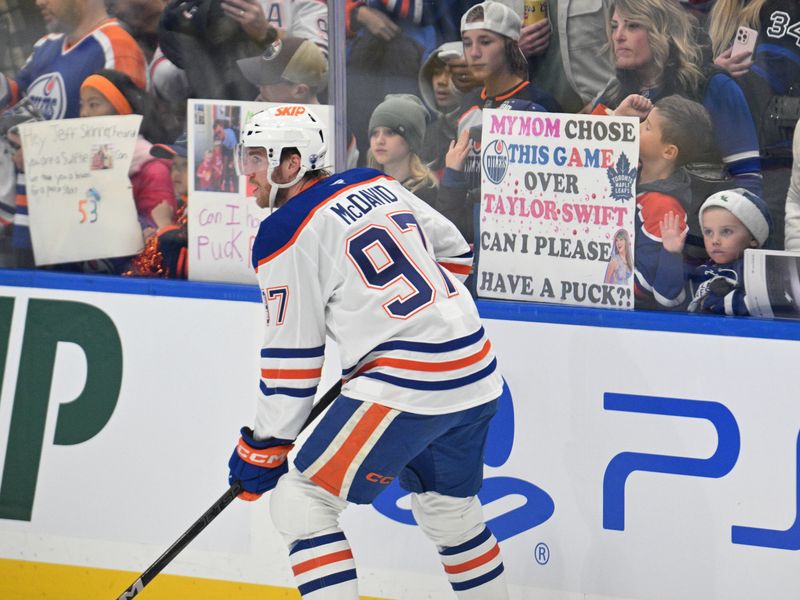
pixel 331 475
pixel 321 202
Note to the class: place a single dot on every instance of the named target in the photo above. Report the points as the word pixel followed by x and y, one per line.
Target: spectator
pixel 396 130
pixel 384 56
pixel 16 244
pixel 165 81
pixel 490 32
pixel 292 70
pixel 109 92
pixel 165 250
pixel 83 39
pixel 671 136
pixel 793 199
pixel 207 41
pixel 770 80
pixel 387 19
pixel 732 221
pixel 566 52
pixel 657 54
pixel 443 99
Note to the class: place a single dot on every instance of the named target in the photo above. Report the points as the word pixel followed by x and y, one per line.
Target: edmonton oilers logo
pixel 495 161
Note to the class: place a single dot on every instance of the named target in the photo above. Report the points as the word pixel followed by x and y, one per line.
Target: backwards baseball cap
pixel 747 207
pixel 177 148
pixel 492 16
pixel 289 59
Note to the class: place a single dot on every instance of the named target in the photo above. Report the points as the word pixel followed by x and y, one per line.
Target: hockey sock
pixel 475 568
pixel 323 567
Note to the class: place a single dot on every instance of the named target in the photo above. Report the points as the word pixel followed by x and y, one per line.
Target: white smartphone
pixel 745 41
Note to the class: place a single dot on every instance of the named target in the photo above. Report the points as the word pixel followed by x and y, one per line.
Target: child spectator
pixel 396 130
pixel 732 221
pixel 490 32
pixel 110 92
pixel 165 253
pixel 443 100
pixel 675 131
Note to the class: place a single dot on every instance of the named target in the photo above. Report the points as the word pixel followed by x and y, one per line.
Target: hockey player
pixel 357 257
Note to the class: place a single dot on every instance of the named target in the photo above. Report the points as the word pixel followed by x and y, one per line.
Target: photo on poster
pixel 216 133
pixel 102 157
pixel 223 216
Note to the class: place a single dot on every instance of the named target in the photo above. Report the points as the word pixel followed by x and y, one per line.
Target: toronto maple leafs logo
pixel 622 178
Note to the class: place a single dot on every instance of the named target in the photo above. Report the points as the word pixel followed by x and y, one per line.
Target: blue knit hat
pixel 747 207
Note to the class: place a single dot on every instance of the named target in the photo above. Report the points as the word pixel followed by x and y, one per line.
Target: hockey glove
pixel 716 286
pixel 258 465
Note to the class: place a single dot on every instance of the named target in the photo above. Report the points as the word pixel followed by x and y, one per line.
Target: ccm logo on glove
pixel 269 457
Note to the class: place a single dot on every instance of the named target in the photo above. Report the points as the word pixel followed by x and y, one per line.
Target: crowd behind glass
pixel 715 84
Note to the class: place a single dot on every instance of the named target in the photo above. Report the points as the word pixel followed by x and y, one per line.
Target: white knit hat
pixel 751 210
pixel 497 17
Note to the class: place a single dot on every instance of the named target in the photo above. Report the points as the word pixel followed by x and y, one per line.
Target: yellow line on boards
pixel 25 580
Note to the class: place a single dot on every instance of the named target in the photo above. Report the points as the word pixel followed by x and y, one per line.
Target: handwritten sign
pixel 557 208
pixel 223 217
pixel 80 200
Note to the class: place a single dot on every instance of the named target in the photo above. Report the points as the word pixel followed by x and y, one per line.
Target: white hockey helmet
pixel 276 129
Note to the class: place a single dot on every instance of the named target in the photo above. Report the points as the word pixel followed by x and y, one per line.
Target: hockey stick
pixel 162 561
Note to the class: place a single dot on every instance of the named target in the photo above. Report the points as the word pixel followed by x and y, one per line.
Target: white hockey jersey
pixel 359 258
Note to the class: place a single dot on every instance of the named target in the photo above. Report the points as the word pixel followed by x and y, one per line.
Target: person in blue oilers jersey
pixel 356 257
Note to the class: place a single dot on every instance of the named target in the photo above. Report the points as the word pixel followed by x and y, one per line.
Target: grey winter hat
pixel 497 17
pixel 405 114
pixel 747 207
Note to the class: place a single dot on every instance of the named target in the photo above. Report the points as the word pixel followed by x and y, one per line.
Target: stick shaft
pixel 213 511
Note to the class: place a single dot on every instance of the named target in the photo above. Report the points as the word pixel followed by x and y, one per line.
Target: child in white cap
pixel 731 221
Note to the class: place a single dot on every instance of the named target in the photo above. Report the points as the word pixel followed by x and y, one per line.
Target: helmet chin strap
pixel 274 187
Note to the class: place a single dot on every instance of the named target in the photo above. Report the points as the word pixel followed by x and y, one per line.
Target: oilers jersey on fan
pixel 53 73
pixel 359 258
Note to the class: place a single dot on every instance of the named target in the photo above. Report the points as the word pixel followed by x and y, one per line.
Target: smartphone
pixel 745 41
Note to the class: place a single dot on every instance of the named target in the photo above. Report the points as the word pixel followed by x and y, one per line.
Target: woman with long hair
pixel 396 130
pixel 770 80
pixel 620 265
pixel 655 50
pixel 658 50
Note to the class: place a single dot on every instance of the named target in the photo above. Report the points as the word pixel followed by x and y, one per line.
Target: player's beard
pixel 67 19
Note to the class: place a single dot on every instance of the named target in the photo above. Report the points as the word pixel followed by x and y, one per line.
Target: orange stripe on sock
pixel 475 562
pixel 331 475
pixel 313 563
pixel 419 365
pixel 291 373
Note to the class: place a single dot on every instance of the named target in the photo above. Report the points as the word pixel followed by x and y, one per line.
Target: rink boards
pixel 635 455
